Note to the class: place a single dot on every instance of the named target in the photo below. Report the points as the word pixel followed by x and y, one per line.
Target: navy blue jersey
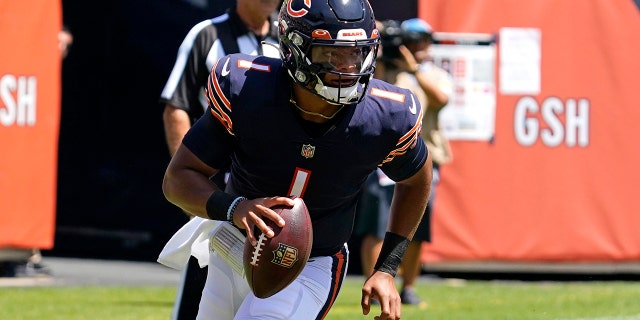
pixel 252 124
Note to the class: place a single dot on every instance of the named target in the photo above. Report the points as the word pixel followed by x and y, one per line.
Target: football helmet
pixel 329 46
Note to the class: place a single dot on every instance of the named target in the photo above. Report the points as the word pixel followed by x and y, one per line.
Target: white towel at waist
pixel 191 240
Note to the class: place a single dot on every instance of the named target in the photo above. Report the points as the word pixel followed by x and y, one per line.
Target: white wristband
pixel 233 206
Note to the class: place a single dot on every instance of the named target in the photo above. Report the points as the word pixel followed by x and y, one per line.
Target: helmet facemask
pixel 343 72
pixel 337 70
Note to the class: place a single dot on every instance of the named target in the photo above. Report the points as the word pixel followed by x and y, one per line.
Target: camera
pixel 391 37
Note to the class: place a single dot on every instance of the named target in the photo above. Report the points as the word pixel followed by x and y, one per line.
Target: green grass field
pixel 616 300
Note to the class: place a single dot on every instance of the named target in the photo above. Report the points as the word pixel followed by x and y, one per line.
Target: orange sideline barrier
pixel 552 203
pixel 29 121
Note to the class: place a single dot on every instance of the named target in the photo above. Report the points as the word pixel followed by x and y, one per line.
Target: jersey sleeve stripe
pixel 223 117
pixel 220 107
pixel 414 130
pixel 219 95
pixel 408 140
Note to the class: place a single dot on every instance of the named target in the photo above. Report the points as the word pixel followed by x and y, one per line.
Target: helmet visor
pixel 345 60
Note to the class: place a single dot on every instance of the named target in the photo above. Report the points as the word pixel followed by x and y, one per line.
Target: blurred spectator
pixel 404 61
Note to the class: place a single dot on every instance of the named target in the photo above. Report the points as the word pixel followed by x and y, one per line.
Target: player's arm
pixel 410 166
pixel 186 182
pixel 410 201
pixel 407 207
pixel 205 149
pixel 187 185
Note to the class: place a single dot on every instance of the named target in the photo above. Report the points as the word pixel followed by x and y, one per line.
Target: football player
pixel 313 124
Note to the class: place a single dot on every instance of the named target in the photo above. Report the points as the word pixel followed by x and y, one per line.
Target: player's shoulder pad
pixel 240 63
pixel 236 68
pixel 400 110
pixel 232 72
pixel 394 100
pixel 230 75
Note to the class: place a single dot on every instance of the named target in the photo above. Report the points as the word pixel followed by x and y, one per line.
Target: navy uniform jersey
pixel 252 123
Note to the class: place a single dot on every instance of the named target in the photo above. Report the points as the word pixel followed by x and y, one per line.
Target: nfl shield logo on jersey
pixel 308 151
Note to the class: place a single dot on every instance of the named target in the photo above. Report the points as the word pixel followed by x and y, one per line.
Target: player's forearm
pixel 191 198
pixel 410 201
pixel 408 205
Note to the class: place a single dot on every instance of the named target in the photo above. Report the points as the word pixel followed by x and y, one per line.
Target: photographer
pixel 404 60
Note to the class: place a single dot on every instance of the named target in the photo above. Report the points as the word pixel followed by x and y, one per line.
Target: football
pixel 275 262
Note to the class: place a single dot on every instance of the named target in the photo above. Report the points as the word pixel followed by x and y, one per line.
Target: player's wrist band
pixel 233 206
pixel 220 205
pixel 391 254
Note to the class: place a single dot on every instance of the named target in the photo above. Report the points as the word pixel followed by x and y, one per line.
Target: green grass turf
pixel 615 300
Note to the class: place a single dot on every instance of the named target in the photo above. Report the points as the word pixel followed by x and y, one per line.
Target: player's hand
pixel 381 286
pixel 250 213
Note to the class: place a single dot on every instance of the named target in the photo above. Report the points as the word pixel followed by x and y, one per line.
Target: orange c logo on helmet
pixel 320 34
pixel 298 13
